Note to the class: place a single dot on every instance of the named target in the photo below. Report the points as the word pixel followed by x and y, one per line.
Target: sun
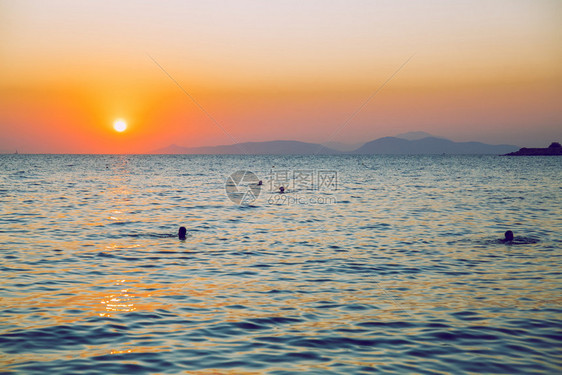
pixel 120 125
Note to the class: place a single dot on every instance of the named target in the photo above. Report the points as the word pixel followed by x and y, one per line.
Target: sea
pixel 365 264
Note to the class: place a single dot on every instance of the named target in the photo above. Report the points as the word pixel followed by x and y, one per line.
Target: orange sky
pixel 479 70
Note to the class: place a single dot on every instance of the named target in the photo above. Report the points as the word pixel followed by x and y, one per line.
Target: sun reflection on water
pixel 119 302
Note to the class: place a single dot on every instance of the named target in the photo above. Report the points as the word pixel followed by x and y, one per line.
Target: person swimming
pixel 181 233
pixel 508 236
pixel 281 189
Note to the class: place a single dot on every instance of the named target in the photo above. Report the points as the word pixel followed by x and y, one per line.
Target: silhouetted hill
pixel 554 149
pixel 386 145
pixel 412 136
pixel 257 148
pixel 430 145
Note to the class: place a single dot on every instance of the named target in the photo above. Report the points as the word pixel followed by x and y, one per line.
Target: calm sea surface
pixel 368 264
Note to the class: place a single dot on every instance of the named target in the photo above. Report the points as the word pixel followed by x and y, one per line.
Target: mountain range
pixel 430 145
pixel 256 148
pixel 403 144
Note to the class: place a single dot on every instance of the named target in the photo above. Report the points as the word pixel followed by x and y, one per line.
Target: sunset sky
pixel 486 70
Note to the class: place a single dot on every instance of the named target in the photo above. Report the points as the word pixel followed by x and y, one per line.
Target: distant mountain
pixel 430 145
pixel 257 148
pixel 385 145
pixel 413 136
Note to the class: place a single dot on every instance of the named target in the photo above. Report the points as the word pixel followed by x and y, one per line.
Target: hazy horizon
pixel 338 146
pixel 219 73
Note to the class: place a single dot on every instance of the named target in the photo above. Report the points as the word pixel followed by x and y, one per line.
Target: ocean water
pixel 367 264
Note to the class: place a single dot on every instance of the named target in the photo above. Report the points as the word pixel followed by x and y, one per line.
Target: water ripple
pixel 404 272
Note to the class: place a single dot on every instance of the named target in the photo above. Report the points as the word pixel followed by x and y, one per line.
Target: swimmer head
pixel 509 236
pixel 181 233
